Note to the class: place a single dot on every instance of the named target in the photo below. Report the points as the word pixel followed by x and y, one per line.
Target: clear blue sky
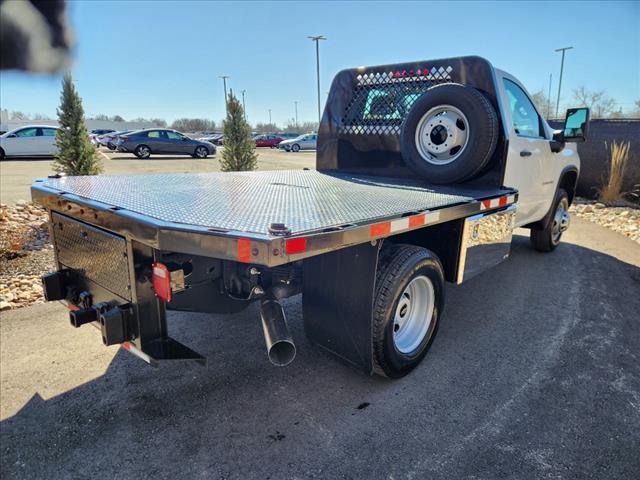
pixel 162 59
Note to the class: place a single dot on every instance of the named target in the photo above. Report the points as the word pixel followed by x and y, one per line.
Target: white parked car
pixel 29 141
pixel 307 141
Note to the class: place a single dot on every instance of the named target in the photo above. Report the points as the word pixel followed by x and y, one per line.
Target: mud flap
pixel 337 301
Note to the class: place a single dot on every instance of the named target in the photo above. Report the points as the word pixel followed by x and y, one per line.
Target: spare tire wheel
pixel 449 134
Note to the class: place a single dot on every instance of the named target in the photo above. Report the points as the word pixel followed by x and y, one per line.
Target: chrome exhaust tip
pixel 280 347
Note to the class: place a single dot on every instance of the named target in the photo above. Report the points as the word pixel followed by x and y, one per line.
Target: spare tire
pixel 449 134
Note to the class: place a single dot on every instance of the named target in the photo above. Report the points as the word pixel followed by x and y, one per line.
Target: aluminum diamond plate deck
pixel 304 200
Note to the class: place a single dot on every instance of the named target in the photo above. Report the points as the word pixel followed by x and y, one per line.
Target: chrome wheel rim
pixel 414 314
pixel 144 152
pixel 561 221
pixel 200 152
pixel 295 148
pixel 442 135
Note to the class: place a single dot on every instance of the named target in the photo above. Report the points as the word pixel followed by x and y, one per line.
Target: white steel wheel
pixel 442 135
pixel 408 301
pixel 561 221
pixel 414 314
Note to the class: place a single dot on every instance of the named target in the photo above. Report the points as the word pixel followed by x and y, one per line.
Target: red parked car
pixel 268 140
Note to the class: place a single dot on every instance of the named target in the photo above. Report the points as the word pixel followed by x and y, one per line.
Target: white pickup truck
pixel 423 170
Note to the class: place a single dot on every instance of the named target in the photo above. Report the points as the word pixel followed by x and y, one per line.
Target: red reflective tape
pixel 503 201
pixel 244 250
pixel 416 220
pixel 380 229
pixel 486 203
pixel 295 245
pixel 126 345
pixel 72 307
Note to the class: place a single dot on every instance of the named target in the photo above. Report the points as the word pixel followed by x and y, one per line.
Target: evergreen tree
pixel 76 154
pixel 239 152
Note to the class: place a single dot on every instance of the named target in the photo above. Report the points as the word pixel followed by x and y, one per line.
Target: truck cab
pixel 535 165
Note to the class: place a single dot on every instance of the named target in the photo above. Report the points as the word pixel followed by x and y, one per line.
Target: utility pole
pixel 549 97
pixel 244 109
pixel 269 116
pixel 296 104
pixel 224 81
pixel 563 50
pixel 317 38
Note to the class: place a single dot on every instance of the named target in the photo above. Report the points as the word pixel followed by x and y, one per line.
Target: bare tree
pixel 194 125
pixel 117 118
pixel 18 116
pixel 158 122
pixel 542 103
pixel 598 102
pixel 101 116
pixel 266 127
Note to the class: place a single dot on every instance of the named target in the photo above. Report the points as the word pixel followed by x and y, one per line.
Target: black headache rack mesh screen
pixel 381 99
pixel 362 121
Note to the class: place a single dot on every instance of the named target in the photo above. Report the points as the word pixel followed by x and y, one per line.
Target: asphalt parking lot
pixel 16 176
pixel 528 378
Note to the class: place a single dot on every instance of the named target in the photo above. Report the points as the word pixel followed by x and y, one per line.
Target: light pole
pixel 564 49
pixel 317 38
pixel 296 104
pixel 224 81
pixel 244 109
pixel 269 117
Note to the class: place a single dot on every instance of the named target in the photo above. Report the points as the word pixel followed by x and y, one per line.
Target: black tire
pixel 398 265
pixel 1 154
pixel 142 151
pixel 548 238
pixel 295 147
pixel 201 152
pixel 482 133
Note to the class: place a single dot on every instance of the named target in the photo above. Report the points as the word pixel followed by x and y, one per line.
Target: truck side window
pixel 525 118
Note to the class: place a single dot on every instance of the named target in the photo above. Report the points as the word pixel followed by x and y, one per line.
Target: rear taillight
pixel 161 279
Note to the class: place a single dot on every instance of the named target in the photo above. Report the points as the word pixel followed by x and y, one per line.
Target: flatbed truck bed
pixel 329 210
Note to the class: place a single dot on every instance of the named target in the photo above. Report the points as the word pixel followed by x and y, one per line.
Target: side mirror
pixel 184 139
pixel 13 135
pixel 576 125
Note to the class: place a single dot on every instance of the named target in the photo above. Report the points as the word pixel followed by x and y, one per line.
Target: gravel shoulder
pixel 534 379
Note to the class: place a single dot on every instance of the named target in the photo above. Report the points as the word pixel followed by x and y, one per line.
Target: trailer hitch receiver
pixel 114 322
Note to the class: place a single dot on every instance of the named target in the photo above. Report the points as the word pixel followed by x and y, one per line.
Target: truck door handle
pixel 525 153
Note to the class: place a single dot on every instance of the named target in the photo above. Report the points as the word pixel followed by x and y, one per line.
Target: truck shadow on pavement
pixel 534 372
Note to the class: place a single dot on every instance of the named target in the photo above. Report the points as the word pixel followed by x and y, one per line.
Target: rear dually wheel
pixel 409 298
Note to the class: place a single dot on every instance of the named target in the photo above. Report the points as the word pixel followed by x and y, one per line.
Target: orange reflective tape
pixel 244 250
pixel 380 229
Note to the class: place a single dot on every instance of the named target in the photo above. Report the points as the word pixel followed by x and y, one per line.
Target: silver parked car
pixel 308 141
pixel 143 143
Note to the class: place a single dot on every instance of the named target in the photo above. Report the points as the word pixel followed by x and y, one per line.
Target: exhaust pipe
pixel 280 347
